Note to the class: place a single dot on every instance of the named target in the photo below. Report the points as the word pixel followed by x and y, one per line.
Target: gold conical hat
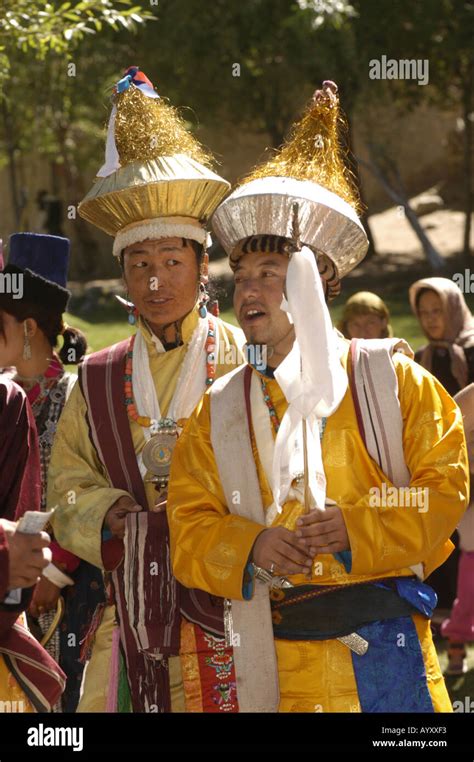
pixel 160 170
pixel 168 186
pixel 309 171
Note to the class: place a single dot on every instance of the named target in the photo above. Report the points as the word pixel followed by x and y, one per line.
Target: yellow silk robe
pixel 80 490
pixel 210 547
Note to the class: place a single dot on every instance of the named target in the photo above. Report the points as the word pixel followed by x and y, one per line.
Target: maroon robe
pixel 20 491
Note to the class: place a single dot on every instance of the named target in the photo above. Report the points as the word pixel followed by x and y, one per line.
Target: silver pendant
pixel 158 452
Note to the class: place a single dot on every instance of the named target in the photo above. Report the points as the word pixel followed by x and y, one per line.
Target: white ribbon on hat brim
pixel 160 227
pixel 311 377
pixel 112 159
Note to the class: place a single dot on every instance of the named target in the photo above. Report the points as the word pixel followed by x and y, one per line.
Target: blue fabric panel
pixel 420 595
pixel 391 675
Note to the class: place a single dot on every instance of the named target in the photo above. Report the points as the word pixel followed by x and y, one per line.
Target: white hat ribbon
pixel 311 377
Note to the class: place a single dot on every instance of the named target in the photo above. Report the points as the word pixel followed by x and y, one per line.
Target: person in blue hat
pixel 30 327
pixel 33 323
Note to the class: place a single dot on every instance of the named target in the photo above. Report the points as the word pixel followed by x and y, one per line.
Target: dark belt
pixel 322 612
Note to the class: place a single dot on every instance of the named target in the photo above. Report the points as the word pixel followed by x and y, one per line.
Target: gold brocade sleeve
pixel 77 485
pixel 209 546
pixel 388 537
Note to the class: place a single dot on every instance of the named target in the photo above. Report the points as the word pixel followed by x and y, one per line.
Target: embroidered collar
pixel 41 388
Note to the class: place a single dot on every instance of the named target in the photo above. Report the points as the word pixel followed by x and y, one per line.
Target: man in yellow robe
pixel 326 608
pixel 153 384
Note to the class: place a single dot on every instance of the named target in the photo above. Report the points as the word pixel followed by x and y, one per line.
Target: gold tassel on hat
pixel 155 170
pixel 314 150
pixel 148 128
pixel 307 174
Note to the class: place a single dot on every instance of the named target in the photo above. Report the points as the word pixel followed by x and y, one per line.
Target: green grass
pixel 103 327
pixel 100 335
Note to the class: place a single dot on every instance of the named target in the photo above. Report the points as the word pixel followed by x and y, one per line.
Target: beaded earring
pixel 132 312
pixel 203 300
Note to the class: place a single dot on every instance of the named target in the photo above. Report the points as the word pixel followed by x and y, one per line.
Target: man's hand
pixel 28 555
pixel 45 597
pixel 323 531
pixel 116 515
pixel 279 550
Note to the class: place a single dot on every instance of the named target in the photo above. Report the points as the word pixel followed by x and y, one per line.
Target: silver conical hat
pixel 264 206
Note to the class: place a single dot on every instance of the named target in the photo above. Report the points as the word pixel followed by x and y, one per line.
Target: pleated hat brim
pixel 264 206
pixel 168 186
